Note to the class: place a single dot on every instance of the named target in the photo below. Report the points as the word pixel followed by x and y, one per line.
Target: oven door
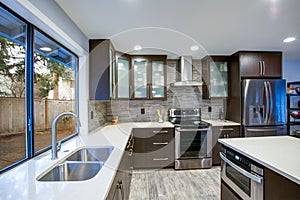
pixel 247 185
pixel 192 143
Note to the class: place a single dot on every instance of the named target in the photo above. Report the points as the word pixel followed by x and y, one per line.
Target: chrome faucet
pixel 55 146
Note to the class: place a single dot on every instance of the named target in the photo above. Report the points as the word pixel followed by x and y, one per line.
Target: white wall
pixel 291 70
pixel 49 17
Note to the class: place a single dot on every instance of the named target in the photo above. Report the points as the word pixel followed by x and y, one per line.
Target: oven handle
pixel 195 129
pixel 242 171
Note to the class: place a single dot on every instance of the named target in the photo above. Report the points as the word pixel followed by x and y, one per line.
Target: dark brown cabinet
pixel 222 132
pixel 121 184
pixel 254 64
pixel 214 74
pixel 277 187
pixel 101 70
pixel 153 147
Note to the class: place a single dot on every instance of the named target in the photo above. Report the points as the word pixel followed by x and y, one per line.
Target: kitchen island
pixel 279 158
pixel 21 182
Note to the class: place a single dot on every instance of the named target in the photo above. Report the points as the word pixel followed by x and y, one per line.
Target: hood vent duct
pixel 186 71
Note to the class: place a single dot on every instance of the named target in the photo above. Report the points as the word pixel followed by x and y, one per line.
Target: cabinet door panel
pixel 214 74
pixel 123 78
pixel 140 78
pixel 158 79
pixel 249 64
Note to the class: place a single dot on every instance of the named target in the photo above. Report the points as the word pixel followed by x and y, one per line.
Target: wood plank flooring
pixel 168 184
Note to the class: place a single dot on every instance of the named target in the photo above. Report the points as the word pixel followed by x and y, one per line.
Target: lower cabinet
pixel 153 148
pixel 222 132
pixel 277 187
pixel 120 188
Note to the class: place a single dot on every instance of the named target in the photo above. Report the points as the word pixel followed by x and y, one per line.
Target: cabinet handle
pixel 130 152
pixel 260 68
pixel 160 159
pixel 160 143
pixel 226 129
pixel 263 68
pixel 160 131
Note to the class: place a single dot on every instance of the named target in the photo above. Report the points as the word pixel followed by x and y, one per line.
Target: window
pixel 38 79
pixel 54 72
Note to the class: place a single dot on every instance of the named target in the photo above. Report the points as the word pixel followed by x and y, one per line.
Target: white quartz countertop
pixel 278 153
pixel 218 122
pixel 21 183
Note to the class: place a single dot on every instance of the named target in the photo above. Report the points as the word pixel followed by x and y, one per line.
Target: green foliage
pixel 12 71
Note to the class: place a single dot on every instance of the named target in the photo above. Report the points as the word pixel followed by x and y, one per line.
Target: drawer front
pixel 163 157
pixel 226 131
pixel 152 140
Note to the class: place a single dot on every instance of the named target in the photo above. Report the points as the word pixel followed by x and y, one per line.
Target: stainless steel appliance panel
pixel 264 102
pixel 242 176
pixel 265 131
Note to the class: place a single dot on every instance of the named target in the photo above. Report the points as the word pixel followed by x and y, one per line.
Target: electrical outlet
pixel 209 109
pixel 142 111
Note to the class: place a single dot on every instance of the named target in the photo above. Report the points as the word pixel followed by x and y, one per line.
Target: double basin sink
pixel 80 165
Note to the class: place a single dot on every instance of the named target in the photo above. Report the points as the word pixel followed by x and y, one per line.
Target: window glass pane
pixel 158 79
pixel 123 78
pixel 54 89
pixel 12 89
pixel 140 78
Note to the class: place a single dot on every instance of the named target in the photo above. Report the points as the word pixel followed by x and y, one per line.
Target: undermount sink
pixel 81 165
pixel 99 154
pixel 78 171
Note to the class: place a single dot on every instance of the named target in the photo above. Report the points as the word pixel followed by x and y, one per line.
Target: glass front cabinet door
pixel 149 77
pixel 123 76
pixel 214 71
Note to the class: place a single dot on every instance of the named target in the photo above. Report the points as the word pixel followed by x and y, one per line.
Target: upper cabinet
pixel 141 77
pixel 258 64
pixel 102 70
pixel 214 73
pixel 149 77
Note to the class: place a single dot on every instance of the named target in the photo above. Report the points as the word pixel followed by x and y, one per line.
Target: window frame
pixel 29 89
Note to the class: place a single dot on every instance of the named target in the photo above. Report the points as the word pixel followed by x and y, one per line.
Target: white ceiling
pixel 217 26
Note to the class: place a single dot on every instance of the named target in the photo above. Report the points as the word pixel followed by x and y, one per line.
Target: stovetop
pixel 187 118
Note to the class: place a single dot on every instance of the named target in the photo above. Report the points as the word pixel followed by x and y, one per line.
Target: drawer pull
pixel 226 129
pixel 160 143
pixel 160 159
pixel 160 131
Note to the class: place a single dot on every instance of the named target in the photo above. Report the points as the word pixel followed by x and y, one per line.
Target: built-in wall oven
pixel 193 140
pixel 242 175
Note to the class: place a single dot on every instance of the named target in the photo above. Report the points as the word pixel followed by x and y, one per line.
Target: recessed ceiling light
pixel 137 47
pixel 289 39
pixel 45 49
pixel 194 48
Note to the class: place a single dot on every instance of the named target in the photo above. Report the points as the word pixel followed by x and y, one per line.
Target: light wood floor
pixel 175 184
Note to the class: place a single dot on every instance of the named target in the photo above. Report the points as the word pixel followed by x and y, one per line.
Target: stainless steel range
pixel 193 140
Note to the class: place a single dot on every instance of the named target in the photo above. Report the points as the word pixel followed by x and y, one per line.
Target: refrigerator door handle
pixel 270 101
pixel 266 90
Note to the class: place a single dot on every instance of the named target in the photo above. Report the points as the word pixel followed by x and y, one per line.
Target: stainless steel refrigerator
pixel 263 107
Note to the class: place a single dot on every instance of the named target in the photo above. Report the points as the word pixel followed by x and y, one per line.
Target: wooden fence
pixel 12 113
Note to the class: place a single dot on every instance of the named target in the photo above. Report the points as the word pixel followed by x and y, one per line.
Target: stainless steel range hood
pixel 186 71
